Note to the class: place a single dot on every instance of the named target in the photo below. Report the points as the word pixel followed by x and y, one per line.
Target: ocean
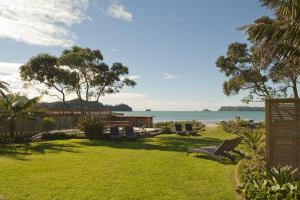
pixel 205 117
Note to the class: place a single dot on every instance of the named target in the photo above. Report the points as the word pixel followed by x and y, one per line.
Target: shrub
pixel 48 123
pixel 275 184
pixel 239 125
pixel 254 141
pixel 169 127
pixel 91 127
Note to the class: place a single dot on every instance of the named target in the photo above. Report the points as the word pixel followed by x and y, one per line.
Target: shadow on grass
pixel 20 151
pixel 166 143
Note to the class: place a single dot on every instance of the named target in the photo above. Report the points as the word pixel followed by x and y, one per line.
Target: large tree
pixel 44 69
pixel 258 71
pixel 281 34
pixel 79 71
pixel 94 78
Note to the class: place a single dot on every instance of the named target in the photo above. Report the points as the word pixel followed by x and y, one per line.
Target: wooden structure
pixel 283 132
pixel 69 119
pixel 136 121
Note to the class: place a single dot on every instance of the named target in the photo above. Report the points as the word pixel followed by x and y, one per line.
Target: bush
pixel 169 127
pixel 48 123
pixel 91 127
pixel 55 136
pixel 275 184
pixel 239 125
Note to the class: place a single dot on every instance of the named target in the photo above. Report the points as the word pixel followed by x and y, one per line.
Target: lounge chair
pixel 219 152
pixel 114 132
pixel 129 133
pixel 189 129
pixel 178 128
pixel 233 147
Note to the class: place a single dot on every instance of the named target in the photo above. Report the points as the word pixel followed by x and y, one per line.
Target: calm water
pixel 206 117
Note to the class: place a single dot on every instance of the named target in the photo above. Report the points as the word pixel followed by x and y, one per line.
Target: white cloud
pixel 114 50
pixel 41 22
pixel 168 76
pixel 118 11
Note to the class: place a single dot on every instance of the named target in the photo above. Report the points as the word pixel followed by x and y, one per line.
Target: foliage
pixel 94 78
pixel 14 108
pixel 44 68
pixel 3 87
pixel 48 123
pixel 169 127
pixel 256 70
pixel 55 136
pixel 276 184
pixel 79 71
pixel 92 127
pixel 254 141
pixel 238 126
pixel 282 35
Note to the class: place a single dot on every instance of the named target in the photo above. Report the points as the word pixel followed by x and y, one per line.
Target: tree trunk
pixel 295 89
pixel 12 129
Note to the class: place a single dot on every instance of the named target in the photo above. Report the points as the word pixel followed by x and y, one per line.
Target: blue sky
pixel 170 46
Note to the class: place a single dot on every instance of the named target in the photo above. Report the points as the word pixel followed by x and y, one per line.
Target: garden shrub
pixel 91 127
pixel 279 183
pixel 260 183
pixel 48 123
pixel 169 127
pixel 239 125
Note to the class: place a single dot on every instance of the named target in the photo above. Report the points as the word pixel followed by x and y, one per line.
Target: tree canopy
pixel 79 71
pixel 258 71
pixel 281 34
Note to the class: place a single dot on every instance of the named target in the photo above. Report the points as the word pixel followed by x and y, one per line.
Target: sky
pixel 169 46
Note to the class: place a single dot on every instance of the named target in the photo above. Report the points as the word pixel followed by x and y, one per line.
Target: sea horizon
pixel 211 117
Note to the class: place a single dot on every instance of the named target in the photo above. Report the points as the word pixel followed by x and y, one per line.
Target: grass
pixel 151 168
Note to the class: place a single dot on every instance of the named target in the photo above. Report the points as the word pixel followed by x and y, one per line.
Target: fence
pixel 69 119
pixel 66 120
pixel 283 132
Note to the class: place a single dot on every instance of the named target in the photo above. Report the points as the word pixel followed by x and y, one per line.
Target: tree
pixel 258 71
pixel 15 107
pixel 93 78
pixel 282 34
pixel 44 68
pixel 3 87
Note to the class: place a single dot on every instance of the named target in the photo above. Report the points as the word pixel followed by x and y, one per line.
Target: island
pixel 206 110
pixel 75 104
pixel 241 108
pixel 148 110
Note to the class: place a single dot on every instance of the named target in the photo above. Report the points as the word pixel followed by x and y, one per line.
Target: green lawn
pixel 151 168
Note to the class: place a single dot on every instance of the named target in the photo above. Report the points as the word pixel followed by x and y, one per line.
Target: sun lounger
pixel 189 129
pixel 179 131
pixel 219 152
pixel 129 133
pixel 114 132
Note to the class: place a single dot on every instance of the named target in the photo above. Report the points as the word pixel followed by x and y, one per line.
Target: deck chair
pixel 114 132
pixel 178 128
pixel 189 129
pixel 217 152
pixel 233 147
pixel 129 133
